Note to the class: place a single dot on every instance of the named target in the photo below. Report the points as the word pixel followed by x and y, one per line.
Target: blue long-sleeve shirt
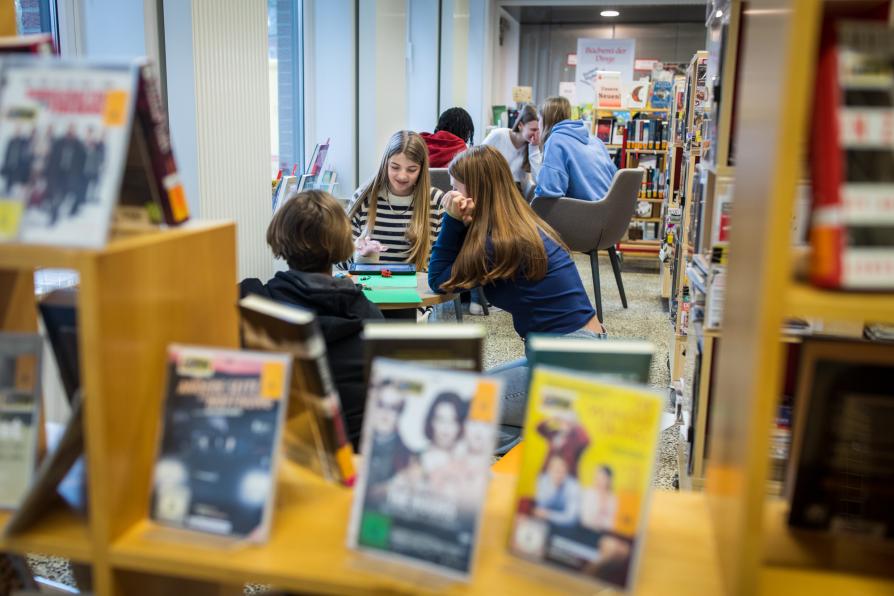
pixel 557 303
pixel 575 164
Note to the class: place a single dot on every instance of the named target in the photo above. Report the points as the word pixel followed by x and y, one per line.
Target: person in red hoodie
pixel 452 135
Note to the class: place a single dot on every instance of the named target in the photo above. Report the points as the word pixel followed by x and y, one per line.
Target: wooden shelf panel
pixel 16 256
pixel 307 551
pixel 808 302
pixel 785 581
pixel 60 533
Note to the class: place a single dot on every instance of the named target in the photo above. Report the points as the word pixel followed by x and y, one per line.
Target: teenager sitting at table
pixel 311 232
pixel 492 238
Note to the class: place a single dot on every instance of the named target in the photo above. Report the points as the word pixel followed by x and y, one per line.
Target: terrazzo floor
pixel 645 318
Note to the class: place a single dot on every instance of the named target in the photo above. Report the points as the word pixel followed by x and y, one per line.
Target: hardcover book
pixel 586 475
pixel 438 345
pixel 662 94
pixel 610 359
pixel 216 465
pixel 428 438
pixel 315 432
pixel 19 414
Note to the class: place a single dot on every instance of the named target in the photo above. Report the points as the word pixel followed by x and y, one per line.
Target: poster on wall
pixel 595 55
pixel 569 91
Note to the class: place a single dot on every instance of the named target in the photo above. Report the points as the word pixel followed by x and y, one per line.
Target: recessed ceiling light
pixel 610 13
pixel 719 14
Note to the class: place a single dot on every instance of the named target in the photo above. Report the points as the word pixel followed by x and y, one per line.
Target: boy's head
pixel 457 122
pixel 311 231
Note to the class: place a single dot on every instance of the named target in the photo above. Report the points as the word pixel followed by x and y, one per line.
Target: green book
pixel 380 282
pixel 393 295
pixel 617 360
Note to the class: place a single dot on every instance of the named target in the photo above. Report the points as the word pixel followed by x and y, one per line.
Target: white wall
pixel 506 62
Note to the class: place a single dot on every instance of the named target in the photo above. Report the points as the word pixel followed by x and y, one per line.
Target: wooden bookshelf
pixel 136 296
pixel 759 553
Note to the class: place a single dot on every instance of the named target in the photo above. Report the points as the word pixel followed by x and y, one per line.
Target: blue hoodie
pixel 575 164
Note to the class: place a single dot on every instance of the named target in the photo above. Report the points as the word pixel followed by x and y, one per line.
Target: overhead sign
pixel 598 55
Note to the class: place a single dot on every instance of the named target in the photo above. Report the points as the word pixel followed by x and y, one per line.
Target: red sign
pixel 571 60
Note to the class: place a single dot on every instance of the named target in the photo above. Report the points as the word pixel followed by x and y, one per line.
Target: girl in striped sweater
pixel 398 212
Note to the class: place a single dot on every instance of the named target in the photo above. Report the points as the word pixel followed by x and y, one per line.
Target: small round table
pixel 429 298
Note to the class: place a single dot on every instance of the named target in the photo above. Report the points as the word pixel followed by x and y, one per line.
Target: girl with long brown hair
pixel 490 237
pixel 398 212
pixel 520 145
pixel 575 164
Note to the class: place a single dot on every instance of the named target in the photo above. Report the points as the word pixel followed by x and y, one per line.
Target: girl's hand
pixel 366 247
pixel 459 207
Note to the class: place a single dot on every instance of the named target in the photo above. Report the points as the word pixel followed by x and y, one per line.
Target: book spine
pixel 868 268
pixel 153 120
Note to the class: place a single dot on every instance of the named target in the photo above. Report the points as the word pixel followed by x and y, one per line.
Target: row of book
pixel 315 177
pixel 428 440
pixel 852 230
pixel 639 134
pixel 84 145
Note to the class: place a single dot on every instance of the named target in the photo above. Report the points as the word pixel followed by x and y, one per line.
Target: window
pixel 286 57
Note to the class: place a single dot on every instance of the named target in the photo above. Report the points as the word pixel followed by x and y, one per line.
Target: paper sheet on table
pixel 392 295
pixel 395 281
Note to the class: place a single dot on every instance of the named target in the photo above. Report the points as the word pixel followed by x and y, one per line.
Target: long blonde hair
pixel 419 230
pixel 501 214
pixel 553 111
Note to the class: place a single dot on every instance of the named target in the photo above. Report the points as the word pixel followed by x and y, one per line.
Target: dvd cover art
pixel 215 470
pixel 428 439
pixel 64 131
pixel 19 414
pixel 586 475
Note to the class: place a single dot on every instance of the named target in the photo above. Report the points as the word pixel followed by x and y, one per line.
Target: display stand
pixel 137 295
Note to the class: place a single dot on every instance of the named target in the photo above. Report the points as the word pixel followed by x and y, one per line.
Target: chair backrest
pixel 594 225
pixel 440 178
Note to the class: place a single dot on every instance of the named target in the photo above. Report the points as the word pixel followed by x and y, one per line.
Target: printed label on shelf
pixel 866 128
pixel 867 204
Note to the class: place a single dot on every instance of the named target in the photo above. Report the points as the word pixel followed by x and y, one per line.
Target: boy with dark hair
pixel 311 232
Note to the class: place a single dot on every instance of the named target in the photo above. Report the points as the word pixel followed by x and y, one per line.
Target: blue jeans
pixel 514 403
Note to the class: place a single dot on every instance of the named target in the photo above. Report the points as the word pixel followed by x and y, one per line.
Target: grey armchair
pixel 591 226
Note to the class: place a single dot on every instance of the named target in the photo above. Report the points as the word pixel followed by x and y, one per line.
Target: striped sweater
pixel 393 215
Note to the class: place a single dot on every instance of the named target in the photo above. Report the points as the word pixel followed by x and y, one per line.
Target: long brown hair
pixel 528 113
pixel 553 111
pixel 501 214
pixel 419 230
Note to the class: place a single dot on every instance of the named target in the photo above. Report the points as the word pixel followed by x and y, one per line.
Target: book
pixel 319 160
pixel 610 359
pixel 315 432
pixel 428 438
pixel 216 465
pixel 439 345
pixel 608 89
pixel 19 414
pixel 604 127
pixel 58 310
pixel 55 467
pixel 662 94
pixel 852 230
pixel 82 140
pixel 840 473
pixel 586 475
pixel 637 94
pixel 36 43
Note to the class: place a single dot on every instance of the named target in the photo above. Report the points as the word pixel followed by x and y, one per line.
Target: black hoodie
pixel 341 309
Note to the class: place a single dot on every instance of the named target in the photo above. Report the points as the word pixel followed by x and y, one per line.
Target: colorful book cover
pixel 19 414
pixel 428 440
pixel 662 93
pixel 315 432
pixel 64 134
pixel 585 479
pixel 216 465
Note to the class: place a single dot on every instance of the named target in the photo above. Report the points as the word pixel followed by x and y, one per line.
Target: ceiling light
pixel 719 14
pixel 610 13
